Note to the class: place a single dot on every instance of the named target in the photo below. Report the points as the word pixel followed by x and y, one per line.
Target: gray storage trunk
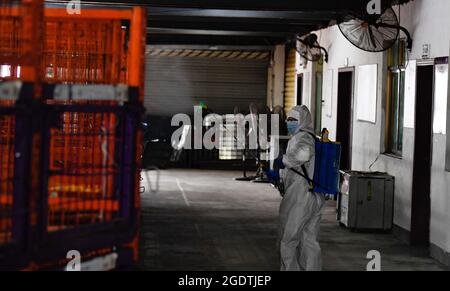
pixel 367 201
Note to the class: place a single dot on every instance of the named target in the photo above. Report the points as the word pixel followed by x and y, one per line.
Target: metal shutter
pixel 177 81
pixel 290 81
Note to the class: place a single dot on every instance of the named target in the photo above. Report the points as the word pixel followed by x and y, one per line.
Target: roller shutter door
pixel 178 80
pixel 290 81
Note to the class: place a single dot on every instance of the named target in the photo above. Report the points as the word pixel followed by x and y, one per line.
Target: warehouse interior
pixel 103 179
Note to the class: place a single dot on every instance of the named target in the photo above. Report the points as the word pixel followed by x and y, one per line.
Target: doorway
pixel 300 89
pixel 344 115
pixel 421 201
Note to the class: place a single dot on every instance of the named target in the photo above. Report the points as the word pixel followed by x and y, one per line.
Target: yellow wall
pixel 290 81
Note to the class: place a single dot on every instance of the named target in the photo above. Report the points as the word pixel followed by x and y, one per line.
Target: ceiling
pixel 237 22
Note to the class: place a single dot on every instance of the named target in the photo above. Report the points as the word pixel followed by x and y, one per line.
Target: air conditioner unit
pixel 366 200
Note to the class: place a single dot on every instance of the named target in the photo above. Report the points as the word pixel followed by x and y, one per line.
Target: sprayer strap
pixel 305 172
pixel 306 176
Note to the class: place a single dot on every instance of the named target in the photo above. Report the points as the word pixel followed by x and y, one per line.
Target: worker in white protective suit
pixel 300 210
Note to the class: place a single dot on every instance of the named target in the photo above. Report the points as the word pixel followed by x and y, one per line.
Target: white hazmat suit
pixel 300 210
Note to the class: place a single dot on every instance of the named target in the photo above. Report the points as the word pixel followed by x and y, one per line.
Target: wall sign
pixel 426 51
pixel 366 93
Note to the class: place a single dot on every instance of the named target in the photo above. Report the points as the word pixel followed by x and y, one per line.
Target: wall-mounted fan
pixel 311 50
pixel 373 33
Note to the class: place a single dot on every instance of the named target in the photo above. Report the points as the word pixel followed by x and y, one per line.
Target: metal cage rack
pixel 76 184
pixel 7 126
pixel 20 35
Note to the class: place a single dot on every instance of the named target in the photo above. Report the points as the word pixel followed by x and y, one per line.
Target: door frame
pixel 317 104
pixel 352 102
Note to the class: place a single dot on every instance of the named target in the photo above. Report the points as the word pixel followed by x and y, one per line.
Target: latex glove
pixel 279 163
pixel 273 175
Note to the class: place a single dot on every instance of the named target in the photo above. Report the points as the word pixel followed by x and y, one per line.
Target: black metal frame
pixel 15 254
pixel 54 246
pixel 31 241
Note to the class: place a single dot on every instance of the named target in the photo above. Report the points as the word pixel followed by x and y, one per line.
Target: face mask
pixel 292 127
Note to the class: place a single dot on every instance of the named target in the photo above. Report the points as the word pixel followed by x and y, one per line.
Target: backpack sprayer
pixel 326 170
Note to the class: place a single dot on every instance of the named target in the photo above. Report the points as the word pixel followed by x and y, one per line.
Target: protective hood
pixel 302 114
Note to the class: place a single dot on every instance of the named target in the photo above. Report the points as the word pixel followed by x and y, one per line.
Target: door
pixel 344 115
pixel 421 202
pixel 300 89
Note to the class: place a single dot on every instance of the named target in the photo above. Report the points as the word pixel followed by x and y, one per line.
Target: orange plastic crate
pixel 82 162
pixel 85 51
pixel 99 46
pixel 20 39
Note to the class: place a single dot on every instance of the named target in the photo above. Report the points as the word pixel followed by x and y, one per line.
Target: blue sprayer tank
pixel 326 172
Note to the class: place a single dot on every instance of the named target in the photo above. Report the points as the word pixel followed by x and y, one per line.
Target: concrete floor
pixel 204 220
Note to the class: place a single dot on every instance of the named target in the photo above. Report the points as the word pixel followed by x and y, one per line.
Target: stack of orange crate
pixel 103 47
pixel 83 51
pixel 96 47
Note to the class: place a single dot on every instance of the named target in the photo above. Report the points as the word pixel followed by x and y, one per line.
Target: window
pixel 396 62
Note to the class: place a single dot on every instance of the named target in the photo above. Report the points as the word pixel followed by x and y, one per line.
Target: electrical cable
pixel 371 165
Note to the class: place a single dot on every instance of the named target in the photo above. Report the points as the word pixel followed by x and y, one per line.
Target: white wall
pixel 428 22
